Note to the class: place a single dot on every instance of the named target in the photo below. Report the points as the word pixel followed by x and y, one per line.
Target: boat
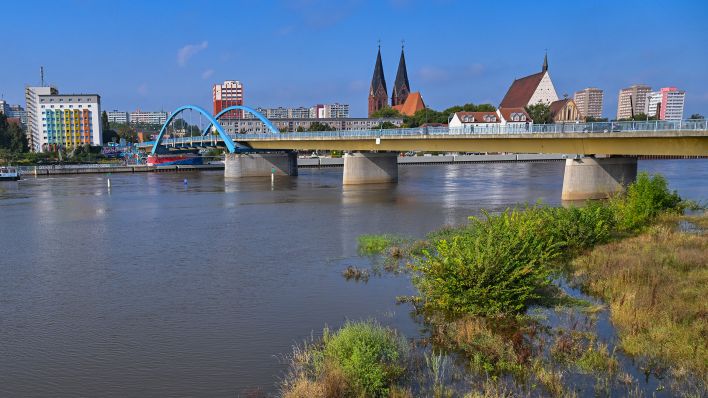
pixel 174 159
pixel 8 173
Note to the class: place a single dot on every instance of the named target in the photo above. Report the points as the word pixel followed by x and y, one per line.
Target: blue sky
pixel 161 54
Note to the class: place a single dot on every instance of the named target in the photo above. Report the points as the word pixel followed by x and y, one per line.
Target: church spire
pixel 401 87
pixel 544 68
pixel 378 95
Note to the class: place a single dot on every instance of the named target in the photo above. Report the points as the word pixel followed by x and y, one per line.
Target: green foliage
pixel 384 125
pixel 502 264
pixel 540 113
pixel 104 122
pixel 376 244
pixel 385 112
pixel 591 119
pixel 317 126
pixel 12 136
pixel 697 116
pixel 496 265
pixel 370 356
pixel 644 200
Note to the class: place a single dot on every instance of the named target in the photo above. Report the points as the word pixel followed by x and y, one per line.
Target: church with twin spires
pixel 402 99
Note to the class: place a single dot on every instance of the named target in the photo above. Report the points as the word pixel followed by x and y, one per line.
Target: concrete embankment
pixel 301 162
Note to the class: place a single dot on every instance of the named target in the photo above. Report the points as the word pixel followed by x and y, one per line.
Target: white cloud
pixel 190 50
pixel 207 73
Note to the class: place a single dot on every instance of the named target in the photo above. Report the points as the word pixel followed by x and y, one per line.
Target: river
pixel 161 287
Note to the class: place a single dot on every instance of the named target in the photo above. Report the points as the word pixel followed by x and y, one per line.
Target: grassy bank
pixel 478 283
pixel 656 286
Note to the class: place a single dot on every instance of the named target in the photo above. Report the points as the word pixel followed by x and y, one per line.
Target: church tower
pixel 378 95
pixel 401 87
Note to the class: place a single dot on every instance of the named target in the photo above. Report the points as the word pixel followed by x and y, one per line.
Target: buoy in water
pixel 185 181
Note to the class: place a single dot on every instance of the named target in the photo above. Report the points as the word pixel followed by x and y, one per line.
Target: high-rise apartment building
pixel 34 115
pixel 227 94
pixel 336 111
pixel 665 104
pixel 115 116
pixel 589 102
pixel 67 120
pixel 632 100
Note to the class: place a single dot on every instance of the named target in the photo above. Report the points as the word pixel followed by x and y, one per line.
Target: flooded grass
pixel 502 321
pixel 355 273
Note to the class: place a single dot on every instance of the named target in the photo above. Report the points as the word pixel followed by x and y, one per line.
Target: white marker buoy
pixel 185 181
pixel 109 183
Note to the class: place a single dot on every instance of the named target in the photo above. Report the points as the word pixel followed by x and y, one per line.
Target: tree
pixel 384 126
pixel 540 113
pixel 127 132
pixel 591 119
pixel 385 112
pixel 300 129
pixel 317 126
pixel 109 136
pixel 697 116
pixel 12 136
pixel 104 121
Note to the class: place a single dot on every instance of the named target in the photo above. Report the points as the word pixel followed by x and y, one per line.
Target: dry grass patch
pixel 656 285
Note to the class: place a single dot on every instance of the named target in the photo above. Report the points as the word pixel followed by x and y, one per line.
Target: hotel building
pixel 589 102
pixel 666 104
pixel 69 120
pixel 632 100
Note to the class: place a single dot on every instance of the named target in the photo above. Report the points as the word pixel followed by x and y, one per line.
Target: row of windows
pixel 62 99
pixel 70 106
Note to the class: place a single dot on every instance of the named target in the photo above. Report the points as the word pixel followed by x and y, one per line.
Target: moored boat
pixel 8 173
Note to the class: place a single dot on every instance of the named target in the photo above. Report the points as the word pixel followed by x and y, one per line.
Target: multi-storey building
pixel 336 111
pixel 589 102
pixel 19 112
pixel 34 115
pixel 632 101
pixel 69 120
pixel 665 104
pixel 298 113
pixel 247 126
pixel 316 111
pixel 227 94
pixel 4 107
pixel 142 117
pixel 115 116
pixel 118 117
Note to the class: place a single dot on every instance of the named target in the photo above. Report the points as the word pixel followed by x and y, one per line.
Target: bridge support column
pixel 260 164
pixel 370 168
pixel 597 178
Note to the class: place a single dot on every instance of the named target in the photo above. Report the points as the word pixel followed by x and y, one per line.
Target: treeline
pixel 429 115
pixel 12 136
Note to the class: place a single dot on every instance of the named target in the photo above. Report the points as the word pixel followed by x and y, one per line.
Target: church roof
pixel 478 117
pixel 401 77
pixel 557 106
pixel 378 79
pixel 521 91
pixel 413 104
pixel 507 114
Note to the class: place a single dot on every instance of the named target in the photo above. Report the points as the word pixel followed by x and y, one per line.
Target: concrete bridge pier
pixel 597 178
pixel 370 168
pixel 260 164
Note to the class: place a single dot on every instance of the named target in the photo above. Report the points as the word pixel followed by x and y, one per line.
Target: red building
pixel 228 94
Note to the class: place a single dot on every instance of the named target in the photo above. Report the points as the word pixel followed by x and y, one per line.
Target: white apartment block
pixel 118 117
pixel 142 117
pixel 632 99
pixel 68 120
pixel 34 115
pixel 589 102
pixel 666 104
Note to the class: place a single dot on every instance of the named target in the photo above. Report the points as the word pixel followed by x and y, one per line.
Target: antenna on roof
pixel 379 42
pixel 41 75
pixel 403 43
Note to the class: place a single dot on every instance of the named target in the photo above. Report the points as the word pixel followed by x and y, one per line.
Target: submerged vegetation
pixel 479 286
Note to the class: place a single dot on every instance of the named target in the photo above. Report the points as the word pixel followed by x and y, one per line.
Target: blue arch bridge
pixel 603 161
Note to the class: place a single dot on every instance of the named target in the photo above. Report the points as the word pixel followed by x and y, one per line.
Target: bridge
pixel 374 152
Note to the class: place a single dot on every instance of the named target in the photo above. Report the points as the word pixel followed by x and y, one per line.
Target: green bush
pixel 376 244
pixel 370 356
pixel 496 265
pixel 645 199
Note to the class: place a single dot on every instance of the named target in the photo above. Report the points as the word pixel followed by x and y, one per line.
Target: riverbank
pixel 503 321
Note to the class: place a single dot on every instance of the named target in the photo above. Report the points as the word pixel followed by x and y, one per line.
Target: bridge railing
pixel 471 129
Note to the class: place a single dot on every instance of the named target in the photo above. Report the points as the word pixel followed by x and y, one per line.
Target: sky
pixel 158 55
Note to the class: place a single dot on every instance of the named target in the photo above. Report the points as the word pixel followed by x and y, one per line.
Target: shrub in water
pixel 496 265
pixel 370 356
pixel 644 200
